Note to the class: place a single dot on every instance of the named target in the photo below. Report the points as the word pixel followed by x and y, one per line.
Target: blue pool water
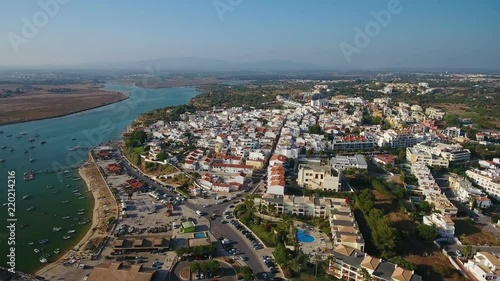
pixel 200 235
pixel 303 237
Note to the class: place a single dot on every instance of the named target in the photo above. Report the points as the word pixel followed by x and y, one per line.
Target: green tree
pixel 451 120
pixel 280 253
pixel 247 273
pixel 161 156
pixel 194 266
pixel 467 251
pixel 315 129
pixel 426 232
pixel 364 274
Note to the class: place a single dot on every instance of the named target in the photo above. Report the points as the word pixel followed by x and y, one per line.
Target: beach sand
pixel 105 207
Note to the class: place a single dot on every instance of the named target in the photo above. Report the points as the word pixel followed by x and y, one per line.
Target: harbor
pixel 52 176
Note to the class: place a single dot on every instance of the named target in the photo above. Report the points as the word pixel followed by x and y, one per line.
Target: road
pixel 218 229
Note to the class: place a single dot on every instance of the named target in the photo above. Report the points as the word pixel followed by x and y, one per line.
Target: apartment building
pixel 487 179
pixel 342 162
pixel 308 206
pixel 442 205
pixel 352 143
pixel 393 139
pixel 318 176
pixel 348 262
pixel 484 266
pixel 345 230
pixel 464 191
pixel 445 227
pixel 276 179
pixel 416 154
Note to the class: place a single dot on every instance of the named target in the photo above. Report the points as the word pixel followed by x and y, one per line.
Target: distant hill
pixel 192 63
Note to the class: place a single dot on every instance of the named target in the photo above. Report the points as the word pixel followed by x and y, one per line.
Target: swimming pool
pixel 303 237
pixel 200 235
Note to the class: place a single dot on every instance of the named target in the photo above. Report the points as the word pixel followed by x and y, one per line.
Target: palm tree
pixel 317 259
pixel 364 274
pixel 294 265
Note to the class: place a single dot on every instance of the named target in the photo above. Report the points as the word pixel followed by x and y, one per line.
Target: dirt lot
pixel 435 266
pixel 36 104
pixel 472 234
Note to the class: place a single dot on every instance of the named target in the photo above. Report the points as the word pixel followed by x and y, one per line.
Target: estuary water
pixel 51 195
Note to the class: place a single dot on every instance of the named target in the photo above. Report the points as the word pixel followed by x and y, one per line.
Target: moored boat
pixel 44 241
pixel 66 237
pixel 65 218
pixel 56 228
pixel 36 251
pixel 26 196
pixel 30 209
pixel 65 201
pixel 71 231
pixel 43 259
pixel 56 251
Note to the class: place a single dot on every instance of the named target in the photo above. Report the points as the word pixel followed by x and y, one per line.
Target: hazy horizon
pixel 394 34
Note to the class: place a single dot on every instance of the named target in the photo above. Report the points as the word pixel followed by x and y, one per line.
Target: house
pixel 114 168
pixel 445 227
pixel 484 266
pixel 277 159
pixel 384 159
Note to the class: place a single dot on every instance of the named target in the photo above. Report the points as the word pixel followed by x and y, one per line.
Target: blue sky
pixel 426 33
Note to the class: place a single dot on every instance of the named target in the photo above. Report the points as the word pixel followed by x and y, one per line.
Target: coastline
pixel 125 97
pixel 99 189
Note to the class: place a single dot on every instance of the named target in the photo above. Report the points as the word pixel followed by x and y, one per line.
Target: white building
pixel 393 139
pixel 489 181
pixel 484 266
pixel 445 227
pixel 323 177
pixel 464 191
pixel 342 162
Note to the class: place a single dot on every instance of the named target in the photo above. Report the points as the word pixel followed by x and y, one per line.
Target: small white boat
pixel 65 218
pixel 65 201
pixel 82 197
pixel 43 260
pixel 36 251
pixel 56 228
pixel 30 209
pixel 56 251
pixel 31 243
pixel 26 196
pixel 71 231
pixel 66 237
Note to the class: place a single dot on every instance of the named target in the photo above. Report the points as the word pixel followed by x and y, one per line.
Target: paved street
pixel 218 229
